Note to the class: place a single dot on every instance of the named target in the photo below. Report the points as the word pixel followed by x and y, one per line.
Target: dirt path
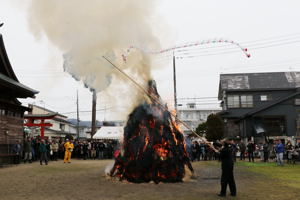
pixel 85 180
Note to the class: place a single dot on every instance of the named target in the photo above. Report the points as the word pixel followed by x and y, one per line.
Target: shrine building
pixel 11 109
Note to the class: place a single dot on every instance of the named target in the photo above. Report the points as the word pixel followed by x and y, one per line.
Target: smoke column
pixel 86 30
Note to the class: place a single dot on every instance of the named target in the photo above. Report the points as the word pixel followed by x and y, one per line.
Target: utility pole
pixel 174 80
pixel 77 103
pixel 93 131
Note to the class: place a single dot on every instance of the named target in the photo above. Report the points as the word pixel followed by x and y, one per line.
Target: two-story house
pixel 191 115
pixel 261 104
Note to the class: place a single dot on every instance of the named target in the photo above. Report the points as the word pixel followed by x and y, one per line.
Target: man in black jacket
pixel 227 170
pixel 250 150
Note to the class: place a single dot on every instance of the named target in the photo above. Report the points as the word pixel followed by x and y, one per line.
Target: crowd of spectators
pixel 33 149
pixel 201 151
pixel 264 151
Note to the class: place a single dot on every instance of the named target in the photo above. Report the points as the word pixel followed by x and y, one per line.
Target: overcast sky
pixel 268 28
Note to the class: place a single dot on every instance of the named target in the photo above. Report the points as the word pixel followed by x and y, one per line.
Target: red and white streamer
pixel 187 45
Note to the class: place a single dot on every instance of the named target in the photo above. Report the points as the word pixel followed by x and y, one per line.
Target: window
pixel 187 115
pixel 266 97
pixel 246 101
pixel 297 102
pixel 233 101
pixel 191 105
pixel 62 127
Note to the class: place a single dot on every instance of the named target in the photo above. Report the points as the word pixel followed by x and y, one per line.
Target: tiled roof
pixel 8 79
pixel 259 81
pixel 13 84
pixel 271 80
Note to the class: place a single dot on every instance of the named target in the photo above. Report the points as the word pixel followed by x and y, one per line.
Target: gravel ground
pixel 84 180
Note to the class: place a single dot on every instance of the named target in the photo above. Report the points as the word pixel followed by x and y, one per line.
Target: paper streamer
pixel 199 43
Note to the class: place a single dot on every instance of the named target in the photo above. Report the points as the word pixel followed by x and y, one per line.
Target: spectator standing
pixel 194 151
pixel 279 149
pixel 49 153
pixel 289 148
pixel 266 151
pixel 33 149
pixel 101 150
pixel 233 150
pixel 43 152
pixel 17 150
pixel 105 150
pixel 27 151
pixel 89 149
pixel 202 151
pixel 110 149
pixel 242 150
pixel 93 150
pixel 272 154
pixel 261 151
pixel 81 150
pixel 61 149
pixel 85 150
pixel 295 154
pixel 250 150
pixel 37 148
pixel 54 149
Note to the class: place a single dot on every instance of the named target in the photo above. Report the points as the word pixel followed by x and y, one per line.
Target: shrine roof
pixel 12 84
pixel 40 116
pixel 8 79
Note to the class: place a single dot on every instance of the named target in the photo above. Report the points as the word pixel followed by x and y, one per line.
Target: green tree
pixel 201 129
pixel 215 127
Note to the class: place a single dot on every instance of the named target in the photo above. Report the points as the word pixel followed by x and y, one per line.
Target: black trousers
pixel 43 157
pixel 55 155
pixel 228 179
pixel 251 156
pixel 266 156
pixel 242 155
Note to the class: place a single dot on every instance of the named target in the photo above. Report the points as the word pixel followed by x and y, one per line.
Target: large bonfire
pixel 153 147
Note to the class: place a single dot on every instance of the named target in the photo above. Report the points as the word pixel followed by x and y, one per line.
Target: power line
pixel 197 97
pixel 87 111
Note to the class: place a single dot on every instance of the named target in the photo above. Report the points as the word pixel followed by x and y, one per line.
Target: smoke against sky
pixel 85 31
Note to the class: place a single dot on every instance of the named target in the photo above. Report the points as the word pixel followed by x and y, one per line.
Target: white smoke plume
pixel 86 30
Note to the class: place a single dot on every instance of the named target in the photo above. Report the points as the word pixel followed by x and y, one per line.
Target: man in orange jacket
pixel 68 151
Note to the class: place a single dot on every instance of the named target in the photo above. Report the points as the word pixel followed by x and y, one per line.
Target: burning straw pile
pixel 153 147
